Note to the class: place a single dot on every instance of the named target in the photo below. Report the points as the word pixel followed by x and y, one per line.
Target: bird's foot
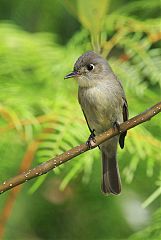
pixel 91 140
pixel 116 125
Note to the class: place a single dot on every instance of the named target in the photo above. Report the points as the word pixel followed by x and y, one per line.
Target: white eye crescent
pixel 90 67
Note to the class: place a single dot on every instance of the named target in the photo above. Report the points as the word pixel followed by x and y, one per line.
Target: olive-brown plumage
pixel 104 105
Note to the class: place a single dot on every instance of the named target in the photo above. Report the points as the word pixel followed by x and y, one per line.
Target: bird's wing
pixel 79 100
pixel 125 118
pixel 87 121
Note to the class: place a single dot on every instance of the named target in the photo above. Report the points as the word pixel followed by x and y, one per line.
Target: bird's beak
pixel 72 74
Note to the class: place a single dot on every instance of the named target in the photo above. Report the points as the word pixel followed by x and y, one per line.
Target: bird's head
pixel 90 69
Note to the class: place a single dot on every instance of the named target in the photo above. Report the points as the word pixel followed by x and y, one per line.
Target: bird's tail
pixel 111 179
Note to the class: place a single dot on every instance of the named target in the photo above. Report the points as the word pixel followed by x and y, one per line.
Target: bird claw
pixel 91 140
pixel 116 125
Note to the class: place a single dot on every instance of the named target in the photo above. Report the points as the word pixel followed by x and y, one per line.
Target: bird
pixel 104 105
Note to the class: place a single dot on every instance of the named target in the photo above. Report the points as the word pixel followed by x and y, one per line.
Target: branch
pixel 66 156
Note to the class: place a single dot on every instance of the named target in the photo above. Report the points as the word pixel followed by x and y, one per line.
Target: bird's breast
pixel 100 106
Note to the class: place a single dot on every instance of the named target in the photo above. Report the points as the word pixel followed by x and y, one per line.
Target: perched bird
pixel 104 105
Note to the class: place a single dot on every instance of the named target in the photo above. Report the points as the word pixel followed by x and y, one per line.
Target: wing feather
pixel 125 118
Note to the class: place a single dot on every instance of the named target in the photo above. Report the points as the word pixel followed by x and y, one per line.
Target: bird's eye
pixel 90 67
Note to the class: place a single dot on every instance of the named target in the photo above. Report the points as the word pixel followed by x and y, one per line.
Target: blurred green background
pixel 40 118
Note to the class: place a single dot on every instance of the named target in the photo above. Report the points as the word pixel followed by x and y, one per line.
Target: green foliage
pixel 152 232
pixel 88 12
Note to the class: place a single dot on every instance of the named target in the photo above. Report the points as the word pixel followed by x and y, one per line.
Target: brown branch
pixel 64 157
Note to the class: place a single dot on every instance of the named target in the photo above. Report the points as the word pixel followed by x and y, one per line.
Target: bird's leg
pixel 91 140
pixel 116 125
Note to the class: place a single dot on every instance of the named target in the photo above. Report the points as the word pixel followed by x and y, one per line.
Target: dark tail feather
pixel 111 179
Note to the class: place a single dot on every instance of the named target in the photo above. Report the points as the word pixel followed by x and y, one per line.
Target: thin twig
pixel 64 157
